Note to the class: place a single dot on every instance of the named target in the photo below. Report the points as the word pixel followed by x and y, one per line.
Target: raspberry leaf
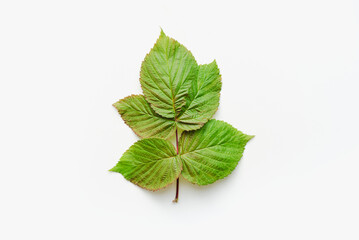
pixel 203 98
pixel 140 117
pixel 178 96
pixel 212 152
pixel 166 75
pixel 150 163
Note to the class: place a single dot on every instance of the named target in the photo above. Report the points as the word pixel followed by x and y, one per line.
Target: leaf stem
pixel 177 182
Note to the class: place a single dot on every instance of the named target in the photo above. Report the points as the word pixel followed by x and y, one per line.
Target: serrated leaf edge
pixel 251 137
pixel 152 190
pixel 219 99
pixel 162 33
pixel 135 95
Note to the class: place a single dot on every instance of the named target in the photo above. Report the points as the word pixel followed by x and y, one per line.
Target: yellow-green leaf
pixel 138 115
pixel 203 98
pixel 212 152
pixel 150 163
pixel 166 76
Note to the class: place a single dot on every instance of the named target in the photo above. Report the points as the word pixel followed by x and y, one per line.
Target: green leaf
pixel 166 75
pixel 150 163
pixel 212 152
pixel 138 115
pixel 203 98
pixel 179 95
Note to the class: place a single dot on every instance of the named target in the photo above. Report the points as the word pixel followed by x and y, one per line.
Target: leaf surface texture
pixel 150 163
pixel 203 98
pixel 166 76
pixel 212 152
pixel 142 119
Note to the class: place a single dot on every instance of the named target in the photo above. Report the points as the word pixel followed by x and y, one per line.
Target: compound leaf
pixel 212 152
pixel 150 163
pixel 138 115
pixel 203 98
pixel 180 95
pixel 166 75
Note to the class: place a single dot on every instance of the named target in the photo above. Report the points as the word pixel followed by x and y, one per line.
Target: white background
pixel 290 76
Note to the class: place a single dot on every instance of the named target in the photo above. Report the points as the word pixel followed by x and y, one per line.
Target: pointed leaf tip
pixel 165 87
pixel 162 33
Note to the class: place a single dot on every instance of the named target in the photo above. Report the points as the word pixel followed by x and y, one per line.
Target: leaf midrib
pixel 169 77
pixel 202 149
pixel 153 160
